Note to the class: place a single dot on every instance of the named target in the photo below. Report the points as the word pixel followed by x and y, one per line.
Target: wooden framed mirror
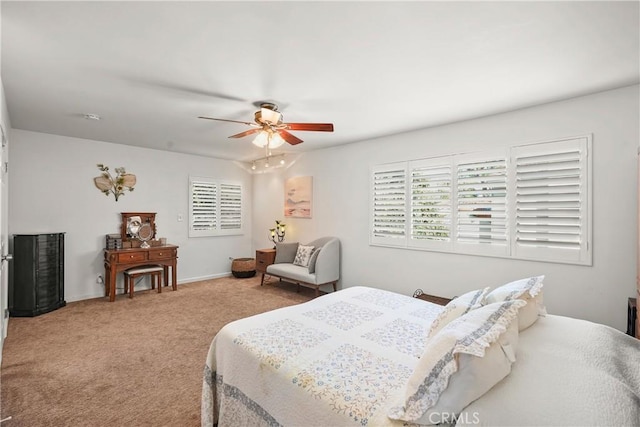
pixel 134 222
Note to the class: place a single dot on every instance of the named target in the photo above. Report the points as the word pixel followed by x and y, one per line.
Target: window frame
pixel 494 248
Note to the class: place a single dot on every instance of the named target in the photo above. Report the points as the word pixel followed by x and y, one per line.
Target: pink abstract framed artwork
pixel 298 197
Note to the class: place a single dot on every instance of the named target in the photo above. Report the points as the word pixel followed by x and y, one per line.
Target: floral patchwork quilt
pixel 341 359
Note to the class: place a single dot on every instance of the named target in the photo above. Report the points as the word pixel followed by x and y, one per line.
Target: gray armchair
pixel 325 270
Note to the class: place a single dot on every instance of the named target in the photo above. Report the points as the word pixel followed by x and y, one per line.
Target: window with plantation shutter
pixel 527 202
pixel 215 207
pixel 551 201
pixel 430 206
pixel 388 218
pixel 481 202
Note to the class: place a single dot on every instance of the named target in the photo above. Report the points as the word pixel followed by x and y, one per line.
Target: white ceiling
pixel 371 68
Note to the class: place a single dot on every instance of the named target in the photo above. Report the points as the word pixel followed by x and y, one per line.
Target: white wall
pixel 4 178
pixel 341 206
pixel 4 291
pixel 52 190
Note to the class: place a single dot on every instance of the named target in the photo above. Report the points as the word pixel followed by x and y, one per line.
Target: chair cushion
pixel 285 252
pixel 143 270
pixel 293 272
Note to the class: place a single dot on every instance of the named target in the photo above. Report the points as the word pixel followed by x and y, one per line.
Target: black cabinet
pixel 36 274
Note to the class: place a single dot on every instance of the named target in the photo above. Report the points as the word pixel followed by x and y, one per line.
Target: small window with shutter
pixel 215 207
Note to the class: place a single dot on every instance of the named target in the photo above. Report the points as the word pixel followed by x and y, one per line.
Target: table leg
pixel 174 279
pixel 106 280
pixel 112 285
pixel 166 274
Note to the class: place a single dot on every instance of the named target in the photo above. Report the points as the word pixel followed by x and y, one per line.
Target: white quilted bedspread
pixel 343 360
pixel 569 372
pixel 338 360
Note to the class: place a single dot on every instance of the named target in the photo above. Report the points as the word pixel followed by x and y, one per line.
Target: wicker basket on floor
pixel 243 267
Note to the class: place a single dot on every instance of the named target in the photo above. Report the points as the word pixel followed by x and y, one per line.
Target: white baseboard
pixel 201 278
pixel 180 282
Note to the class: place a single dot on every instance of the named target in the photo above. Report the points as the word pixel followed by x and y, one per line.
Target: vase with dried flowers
pixel 115 185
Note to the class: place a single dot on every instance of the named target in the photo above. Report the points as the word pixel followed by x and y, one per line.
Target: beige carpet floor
pixel 133 362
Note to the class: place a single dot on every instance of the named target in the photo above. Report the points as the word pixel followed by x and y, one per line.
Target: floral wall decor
pixel 115 185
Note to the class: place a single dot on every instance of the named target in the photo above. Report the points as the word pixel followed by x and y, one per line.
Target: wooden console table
pixel 118 260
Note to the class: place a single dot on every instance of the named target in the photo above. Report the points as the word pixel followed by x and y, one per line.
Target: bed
pixel 345 358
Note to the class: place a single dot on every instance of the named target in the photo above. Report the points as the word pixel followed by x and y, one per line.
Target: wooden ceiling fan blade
pixel 227 120
pixel 318 127
pixel 291 139
pixel 245 133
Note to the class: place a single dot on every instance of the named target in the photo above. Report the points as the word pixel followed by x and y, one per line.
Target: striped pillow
pixel 472 334
pixel 529 290
pixel 456 308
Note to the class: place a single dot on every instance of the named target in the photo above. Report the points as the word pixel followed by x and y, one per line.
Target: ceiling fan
pixel 272 131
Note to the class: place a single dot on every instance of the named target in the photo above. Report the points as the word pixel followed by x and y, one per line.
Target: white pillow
pixel 529 290
pixel 303 255
pixel 466 347
pixel 456 308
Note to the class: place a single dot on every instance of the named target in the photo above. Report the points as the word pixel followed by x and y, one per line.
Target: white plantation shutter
pixel 388 213
pixel 551 201
pixel 430 207
pixel 481 199
pixel 215 208
pixel 204 210
pixel 230 207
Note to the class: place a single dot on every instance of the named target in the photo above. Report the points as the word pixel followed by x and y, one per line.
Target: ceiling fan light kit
pixel 261 140
pixel 276 141
pixel 268 139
